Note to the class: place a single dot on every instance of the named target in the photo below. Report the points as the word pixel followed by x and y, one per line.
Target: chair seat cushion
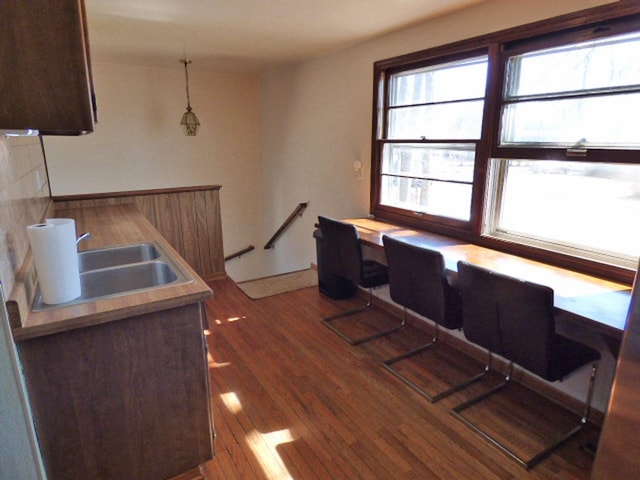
pixel 569 355
pixel 374 274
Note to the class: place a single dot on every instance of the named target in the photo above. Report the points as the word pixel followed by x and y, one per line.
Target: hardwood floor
pixel 291 400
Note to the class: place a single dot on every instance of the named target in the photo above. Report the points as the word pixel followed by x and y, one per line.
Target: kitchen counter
pixel 112 226
pixel 121 382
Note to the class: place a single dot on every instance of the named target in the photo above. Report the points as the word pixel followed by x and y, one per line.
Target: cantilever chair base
pixel 327 321
pixel 537 458
pixel 431 397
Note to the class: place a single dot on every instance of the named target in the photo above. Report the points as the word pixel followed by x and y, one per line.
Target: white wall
pixel 138 143
pixel 316 119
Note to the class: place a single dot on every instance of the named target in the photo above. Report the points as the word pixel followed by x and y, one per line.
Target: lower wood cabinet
pixel 127 399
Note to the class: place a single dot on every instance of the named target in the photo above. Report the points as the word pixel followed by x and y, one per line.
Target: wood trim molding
pixel 133 193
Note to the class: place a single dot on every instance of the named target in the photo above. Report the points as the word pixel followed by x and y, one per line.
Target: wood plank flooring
pixel 291 400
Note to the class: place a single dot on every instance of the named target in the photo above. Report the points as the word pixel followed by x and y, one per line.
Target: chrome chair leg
pixel 477 399
pixel 583 421
pixel 531 462
pixel 416 350
pixel 353 311
pixel 387 364
pixel 587 406
pixel 327 321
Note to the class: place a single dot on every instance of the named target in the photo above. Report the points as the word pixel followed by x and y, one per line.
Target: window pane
pixel 588 206
pixel 608 63
pixel 434 161
pixel 440 83
pixel 446 121
pixel 445 199
pixel 603 121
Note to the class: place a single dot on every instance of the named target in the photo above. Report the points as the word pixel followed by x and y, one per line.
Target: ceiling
pixel 244 35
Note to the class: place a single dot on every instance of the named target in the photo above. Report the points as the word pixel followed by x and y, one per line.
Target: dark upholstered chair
pixel 418 282
pixel 344 259
pixel 515 319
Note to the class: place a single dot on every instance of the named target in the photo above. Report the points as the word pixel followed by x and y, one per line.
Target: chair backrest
pixel 341 248
pixel 418 281
pixel 508 316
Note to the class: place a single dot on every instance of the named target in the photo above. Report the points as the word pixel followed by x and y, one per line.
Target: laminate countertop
pixel 113 226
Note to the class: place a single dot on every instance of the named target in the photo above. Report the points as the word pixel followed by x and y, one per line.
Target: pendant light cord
pixel 186 76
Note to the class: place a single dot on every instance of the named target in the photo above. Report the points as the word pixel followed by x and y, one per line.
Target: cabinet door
pixel 127 399
pixel 45 79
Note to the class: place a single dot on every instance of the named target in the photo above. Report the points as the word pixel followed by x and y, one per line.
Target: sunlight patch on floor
pixel 232 402
pixel 213 364
pixel 218 321
pixel 264 447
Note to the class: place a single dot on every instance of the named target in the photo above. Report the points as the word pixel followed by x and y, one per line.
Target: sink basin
pixel 128 278
pixel 115 271
pixel 114 256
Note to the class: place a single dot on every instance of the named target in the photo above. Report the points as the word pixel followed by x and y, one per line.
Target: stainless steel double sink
pixel 121 270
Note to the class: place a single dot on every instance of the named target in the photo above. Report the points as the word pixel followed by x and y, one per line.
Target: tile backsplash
pixel 24 198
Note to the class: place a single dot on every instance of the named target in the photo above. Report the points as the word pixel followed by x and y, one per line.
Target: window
pixel 582 95
pixel 436 178
pixel 434 121
pixel 570 101
pixel 529 145
pixel 584 209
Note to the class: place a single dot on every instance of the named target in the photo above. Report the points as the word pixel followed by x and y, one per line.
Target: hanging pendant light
pixel 189 123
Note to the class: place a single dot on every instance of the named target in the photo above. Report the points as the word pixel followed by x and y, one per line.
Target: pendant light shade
pixel 189 123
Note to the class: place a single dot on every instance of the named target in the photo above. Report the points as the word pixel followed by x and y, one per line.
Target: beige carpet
pixel 287 282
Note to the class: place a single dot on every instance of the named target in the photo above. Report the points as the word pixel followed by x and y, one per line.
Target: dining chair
pixel 418 282
pixel 515 319
pixel 344 258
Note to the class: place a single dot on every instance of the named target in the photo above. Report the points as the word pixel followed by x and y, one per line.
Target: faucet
pixel 84 236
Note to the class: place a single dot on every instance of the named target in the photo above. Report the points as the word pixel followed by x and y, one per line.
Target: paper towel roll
pixel 55 255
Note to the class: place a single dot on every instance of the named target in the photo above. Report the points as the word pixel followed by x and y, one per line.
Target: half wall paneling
pixel 189 218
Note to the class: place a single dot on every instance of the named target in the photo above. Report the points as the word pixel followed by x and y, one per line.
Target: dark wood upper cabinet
pixel 45 77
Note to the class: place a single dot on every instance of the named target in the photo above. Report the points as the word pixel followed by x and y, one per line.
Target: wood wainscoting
pixel 188 217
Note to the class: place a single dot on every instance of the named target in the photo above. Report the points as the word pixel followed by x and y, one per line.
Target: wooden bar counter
pixel 595 303
pixel 119 387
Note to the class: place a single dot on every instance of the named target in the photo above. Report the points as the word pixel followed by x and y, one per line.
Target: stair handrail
pixel 297 212
pixel 239 253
